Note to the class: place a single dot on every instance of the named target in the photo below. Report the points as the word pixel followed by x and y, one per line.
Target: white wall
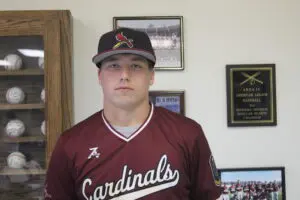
pixel 215 34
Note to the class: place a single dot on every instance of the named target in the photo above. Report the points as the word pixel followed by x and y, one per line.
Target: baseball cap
pixel 124 40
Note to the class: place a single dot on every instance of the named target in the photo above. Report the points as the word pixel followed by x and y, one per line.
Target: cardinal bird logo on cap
pixel 123 40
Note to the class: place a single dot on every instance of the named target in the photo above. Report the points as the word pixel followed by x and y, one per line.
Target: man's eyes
pixel 116 66
pixel 136 66
pixel 113 66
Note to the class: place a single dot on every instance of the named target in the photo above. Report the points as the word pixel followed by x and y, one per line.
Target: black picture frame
pixel 251 95
pixel 166 35
pixel 260 182
pixel 171 100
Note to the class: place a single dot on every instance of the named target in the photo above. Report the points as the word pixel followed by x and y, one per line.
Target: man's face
pixel 125 80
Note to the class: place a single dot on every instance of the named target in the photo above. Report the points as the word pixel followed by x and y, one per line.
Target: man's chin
pixel 127 103
pixel 124 103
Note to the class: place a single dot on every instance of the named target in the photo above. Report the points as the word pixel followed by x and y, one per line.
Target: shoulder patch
pixel 214 171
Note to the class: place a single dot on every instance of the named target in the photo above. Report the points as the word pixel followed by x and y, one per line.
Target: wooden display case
pixel 36 103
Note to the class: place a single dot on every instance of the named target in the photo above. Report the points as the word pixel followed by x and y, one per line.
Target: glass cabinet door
pixel 22 117
pixel 35 97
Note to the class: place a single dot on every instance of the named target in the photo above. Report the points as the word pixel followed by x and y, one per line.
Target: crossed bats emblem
pixel 252 79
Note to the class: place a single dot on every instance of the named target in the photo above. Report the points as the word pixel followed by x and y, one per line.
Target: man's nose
pixel 125 72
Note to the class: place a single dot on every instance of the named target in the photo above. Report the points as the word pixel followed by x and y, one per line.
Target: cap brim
pixel 100 57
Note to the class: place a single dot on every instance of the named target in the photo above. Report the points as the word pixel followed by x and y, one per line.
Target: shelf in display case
pixel 22 106
pixel 10 171
pixel 22 72
pixel 24 139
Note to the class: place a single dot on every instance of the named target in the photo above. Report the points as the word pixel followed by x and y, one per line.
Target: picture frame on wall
pixel 260 183
pixel 251 95
pixel 166 35
pixel 171 100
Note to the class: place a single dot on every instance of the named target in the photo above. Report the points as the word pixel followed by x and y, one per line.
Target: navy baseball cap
pixel 124 40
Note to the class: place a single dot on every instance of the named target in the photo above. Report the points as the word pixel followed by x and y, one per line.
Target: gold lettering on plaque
pixel 255 100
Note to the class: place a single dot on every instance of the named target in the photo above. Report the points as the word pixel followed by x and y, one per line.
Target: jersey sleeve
pixel 59 184
pixel 204 175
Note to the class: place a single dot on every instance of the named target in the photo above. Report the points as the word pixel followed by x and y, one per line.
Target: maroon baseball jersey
pixel 168 157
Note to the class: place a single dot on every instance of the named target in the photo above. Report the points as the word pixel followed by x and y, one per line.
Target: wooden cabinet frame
pixel 55 28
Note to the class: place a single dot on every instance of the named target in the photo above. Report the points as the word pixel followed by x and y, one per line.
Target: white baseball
pixel 43 127
pixel 15 95
pixel 15 128
pixel 41 62
pixel 16 160
pixel 43 95
pixel 13 62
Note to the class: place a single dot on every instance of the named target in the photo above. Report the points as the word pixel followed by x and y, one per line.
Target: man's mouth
pixel 124 88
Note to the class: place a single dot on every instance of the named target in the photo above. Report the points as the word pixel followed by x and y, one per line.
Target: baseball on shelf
pixel 43 95
pixel 14 128
pixel 41 62
pixel 16 160
pixel 43 127
pixel 13 62
pixel 15 95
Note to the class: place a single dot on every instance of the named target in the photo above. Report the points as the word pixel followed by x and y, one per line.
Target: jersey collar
pixel 140 129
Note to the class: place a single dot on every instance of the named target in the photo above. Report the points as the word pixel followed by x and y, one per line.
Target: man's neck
pixel 124 117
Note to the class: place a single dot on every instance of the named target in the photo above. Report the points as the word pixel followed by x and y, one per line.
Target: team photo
pixel 252 184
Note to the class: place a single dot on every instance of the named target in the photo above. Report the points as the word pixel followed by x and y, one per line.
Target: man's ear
pixel 99 76
pixel 152 77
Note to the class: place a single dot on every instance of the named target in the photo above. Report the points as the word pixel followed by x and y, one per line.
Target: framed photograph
pixel 251 95
pixel 166 35
pixel 171 100
pixel 267 183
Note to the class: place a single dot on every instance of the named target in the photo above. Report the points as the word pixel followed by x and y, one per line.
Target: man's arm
pixel 204 174
pixel 59 183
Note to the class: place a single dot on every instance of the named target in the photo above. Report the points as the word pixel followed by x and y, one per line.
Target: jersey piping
pixel 140 129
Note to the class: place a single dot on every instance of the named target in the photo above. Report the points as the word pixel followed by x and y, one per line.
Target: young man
pixel 131 149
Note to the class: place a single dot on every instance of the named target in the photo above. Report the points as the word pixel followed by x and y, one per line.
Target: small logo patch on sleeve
pixel 214 171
